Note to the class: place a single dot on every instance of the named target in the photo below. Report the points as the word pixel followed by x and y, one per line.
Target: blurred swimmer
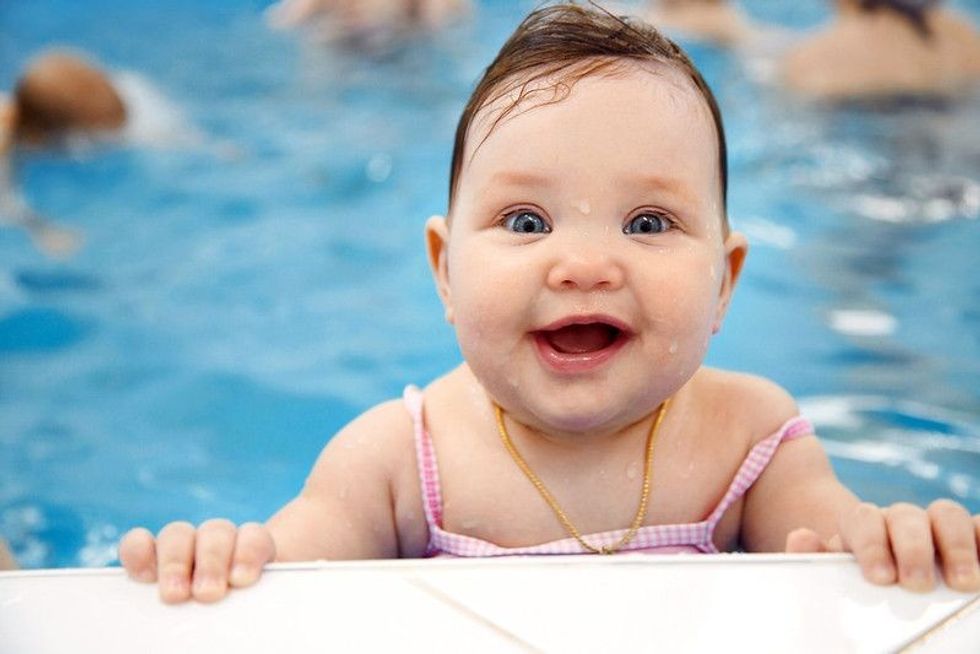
pixel 366 20
pixel 64 100
pixel 714 21
pixel 880 48
pixel 59 94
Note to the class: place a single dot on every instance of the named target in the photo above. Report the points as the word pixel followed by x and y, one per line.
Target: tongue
pixel 578 339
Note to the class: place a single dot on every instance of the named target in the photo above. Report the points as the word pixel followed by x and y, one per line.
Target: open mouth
pixel 580 344
pixel 581 339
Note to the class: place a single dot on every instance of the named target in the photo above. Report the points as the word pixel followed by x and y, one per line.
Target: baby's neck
pixel 530 431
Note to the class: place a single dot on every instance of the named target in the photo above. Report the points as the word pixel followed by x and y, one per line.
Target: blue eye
pixel 526 222
pixel 647 223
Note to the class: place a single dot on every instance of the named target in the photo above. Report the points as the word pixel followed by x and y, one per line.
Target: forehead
pixel 634 109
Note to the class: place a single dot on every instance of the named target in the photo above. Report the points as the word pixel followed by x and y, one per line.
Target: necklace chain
pixel 641 511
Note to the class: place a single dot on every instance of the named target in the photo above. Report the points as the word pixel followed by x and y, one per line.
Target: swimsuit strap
pixel 697 535
pixel 426 458
pixel 756 461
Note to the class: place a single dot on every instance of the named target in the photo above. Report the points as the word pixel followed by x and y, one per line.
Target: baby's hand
pixel 903 542
pixel 201 563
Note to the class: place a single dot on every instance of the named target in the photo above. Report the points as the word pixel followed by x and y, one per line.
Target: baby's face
pixel 586 268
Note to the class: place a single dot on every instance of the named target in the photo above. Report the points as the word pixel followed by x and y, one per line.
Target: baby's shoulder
pixel 381 437
pixel 755 403
pixel 389 420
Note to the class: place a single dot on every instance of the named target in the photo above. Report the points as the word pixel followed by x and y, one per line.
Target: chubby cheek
pixel 683 325
pixel 486 308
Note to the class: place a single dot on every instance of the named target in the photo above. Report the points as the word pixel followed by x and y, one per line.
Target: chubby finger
pixel 804 541
pixel 910 534
pixel 865 534
pixel 213 548
pixel 807 541
pixel 175 560
pixel 138 554
pixel 253 549
pixel 954 534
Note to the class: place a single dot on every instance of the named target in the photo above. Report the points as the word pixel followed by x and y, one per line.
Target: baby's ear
pixel 736 247
pixel 437 246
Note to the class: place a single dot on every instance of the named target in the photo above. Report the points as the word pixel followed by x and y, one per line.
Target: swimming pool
pixel 233 306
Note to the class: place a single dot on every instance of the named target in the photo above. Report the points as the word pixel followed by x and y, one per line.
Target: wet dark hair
pixel 913 11
pixel 575 41
pixel 61 91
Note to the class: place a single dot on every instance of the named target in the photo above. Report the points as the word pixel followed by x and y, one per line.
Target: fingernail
pixel 147 575
pixel 966 575
pixel 175 586
pixel 881 574
pixel 241 575
pixel 918 578
pixel 205 583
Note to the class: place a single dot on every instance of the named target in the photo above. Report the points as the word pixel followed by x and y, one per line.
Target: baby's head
pixel 552 49
pixel 60 92
pixel 586 259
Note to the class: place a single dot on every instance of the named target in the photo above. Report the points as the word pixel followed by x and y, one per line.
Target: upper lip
pixel 586 319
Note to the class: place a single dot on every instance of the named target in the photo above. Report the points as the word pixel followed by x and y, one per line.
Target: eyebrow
pixel 662 183
pixel 520 178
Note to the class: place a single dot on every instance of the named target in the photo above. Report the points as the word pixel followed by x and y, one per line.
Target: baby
pixel 585 262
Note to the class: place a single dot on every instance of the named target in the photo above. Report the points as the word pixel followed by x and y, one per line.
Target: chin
pixel 577 413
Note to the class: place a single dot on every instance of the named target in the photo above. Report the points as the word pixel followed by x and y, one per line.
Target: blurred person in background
pixel 64 100
pixel 882 48
pixel 60 94
pixel 712 21
pixel 366 22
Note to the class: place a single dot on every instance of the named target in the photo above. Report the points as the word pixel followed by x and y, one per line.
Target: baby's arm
pixel 345 511
pixel 799 505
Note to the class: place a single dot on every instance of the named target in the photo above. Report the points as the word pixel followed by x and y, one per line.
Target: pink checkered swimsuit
pixel 692 537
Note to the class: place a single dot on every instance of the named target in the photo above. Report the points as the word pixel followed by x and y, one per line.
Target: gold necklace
pixel 641 511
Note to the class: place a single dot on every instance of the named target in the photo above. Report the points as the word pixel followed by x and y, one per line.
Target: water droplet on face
pixel 713 272
pixel 673 347
pixel 585 207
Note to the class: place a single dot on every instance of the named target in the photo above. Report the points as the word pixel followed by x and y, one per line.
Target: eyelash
pixel 666 221
pixel 508 221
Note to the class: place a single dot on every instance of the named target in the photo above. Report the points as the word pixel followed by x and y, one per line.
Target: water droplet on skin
pixel 585 207
pixel 714 273
pixel 673 347
pixel 632 470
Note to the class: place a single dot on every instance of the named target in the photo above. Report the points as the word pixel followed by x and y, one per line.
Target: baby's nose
pixel 587 266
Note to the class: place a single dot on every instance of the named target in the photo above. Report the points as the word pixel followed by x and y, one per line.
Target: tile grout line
pixel 470 613
pixel 957 615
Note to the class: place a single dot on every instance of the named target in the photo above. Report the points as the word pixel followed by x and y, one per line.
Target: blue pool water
pixel 236 303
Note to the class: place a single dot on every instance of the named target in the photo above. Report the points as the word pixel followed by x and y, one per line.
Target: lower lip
pixel 572 363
